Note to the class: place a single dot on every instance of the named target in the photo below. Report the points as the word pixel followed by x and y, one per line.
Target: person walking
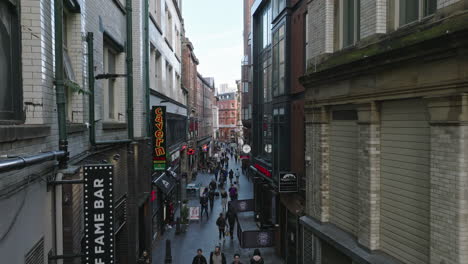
pixel 215 172
pixel 237 176
pixel 212 185
pixel 211 196
pixel 224 200
pixel 204 203
pixel 236 259
pixel 217 257
pixel 231 175
pixel 257 257
pixel 221 223
pixel 233 192
pixel 199 258
pixel 145 259
pixel 231 217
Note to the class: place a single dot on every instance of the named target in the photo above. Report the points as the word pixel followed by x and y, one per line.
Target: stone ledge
pixel 75 128
pixel 21 132
pixel 346 243
pixel 113 126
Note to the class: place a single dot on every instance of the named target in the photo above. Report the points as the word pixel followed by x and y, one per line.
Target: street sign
pixel 287 182
pixel 98 214
pixel 246 149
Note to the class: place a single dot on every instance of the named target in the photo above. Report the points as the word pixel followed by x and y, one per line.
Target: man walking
pixel 211 196
pixel 199 258
pixel 204 203
pixel 231 217
pixel 231 175
pixel 217 257
pixel 236 259
pixel 221 223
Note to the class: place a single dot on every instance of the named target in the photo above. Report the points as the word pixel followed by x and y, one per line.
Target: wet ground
pixel 204 234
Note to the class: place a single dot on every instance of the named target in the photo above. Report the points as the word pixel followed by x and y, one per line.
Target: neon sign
pixel 159 138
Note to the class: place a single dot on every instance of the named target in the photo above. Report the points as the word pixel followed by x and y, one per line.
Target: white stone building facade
pixel 33 224
pixel 386 111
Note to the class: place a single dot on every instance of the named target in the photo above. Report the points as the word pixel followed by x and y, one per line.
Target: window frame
pixel 276 63
pixel 356 27
pixel 422 12
pixel 15 114
pixel 109 49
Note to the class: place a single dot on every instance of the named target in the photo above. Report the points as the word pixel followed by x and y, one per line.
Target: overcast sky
pixel 215 29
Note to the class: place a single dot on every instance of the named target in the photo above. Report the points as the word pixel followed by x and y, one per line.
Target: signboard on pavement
pixel 98 214
pixel 194 213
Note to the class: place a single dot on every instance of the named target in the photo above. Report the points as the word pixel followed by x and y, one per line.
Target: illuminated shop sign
pixel 288 182
pixel 205 148
pixel 159 138
pixel 190 151
pixel 98 212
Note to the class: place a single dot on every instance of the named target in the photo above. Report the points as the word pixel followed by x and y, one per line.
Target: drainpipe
pixel 92 122
pixel 146 69
pixel 59 83
pixel 129 61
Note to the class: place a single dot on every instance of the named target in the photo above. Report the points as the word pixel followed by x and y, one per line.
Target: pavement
pixel 204 234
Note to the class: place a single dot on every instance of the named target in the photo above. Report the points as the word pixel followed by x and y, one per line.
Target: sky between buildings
pixel 215 29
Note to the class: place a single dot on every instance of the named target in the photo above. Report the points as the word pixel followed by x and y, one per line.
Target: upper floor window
pixel 278 6
pixel 168 25
pixel 155 10
pixel 413 10
pixel 245 87
pixel 350 22
pixel 155 69
pixel 10 62
pixel 111 90
pixel 266 26
pixel 278 61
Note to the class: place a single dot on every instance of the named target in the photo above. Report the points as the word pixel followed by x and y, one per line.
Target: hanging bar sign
pixel 159 138
pixel 98 210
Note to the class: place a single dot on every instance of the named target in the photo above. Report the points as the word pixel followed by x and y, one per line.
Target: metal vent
pixel 36 254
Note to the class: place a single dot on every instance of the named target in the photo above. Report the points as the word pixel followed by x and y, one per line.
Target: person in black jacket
pixel 211 196
pixel 257 257
pixel 231 217
pixel 221 223
pixel 199 258
pixel 204 203
pixel 217 257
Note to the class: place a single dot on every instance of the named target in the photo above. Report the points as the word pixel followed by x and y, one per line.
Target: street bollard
pixel 168 258
pixel 177 226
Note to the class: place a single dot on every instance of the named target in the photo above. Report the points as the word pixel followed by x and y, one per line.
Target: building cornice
pixel 399 47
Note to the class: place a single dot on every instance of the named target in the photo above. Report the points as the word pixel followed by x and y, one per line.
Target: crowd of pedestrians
pixel 226 220
pixel 218 257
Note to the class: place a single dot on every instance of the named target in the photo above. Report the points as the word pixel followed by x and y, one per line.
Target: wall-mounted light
pixel 308 160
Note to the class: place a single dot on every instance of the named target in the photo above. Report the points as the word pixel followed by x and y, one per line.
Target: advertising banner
pixel 243 205
pixel 257 239
pixel 98 214
pixel 288 182
pixel 158 116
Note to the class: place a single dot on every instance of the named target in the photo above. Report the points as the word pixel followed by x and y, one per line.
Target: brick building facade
pixel 227 106
pixel 385 124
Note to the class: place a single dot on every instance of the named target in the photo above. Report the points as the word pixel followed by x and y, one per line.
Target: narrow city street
pixel 204 234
